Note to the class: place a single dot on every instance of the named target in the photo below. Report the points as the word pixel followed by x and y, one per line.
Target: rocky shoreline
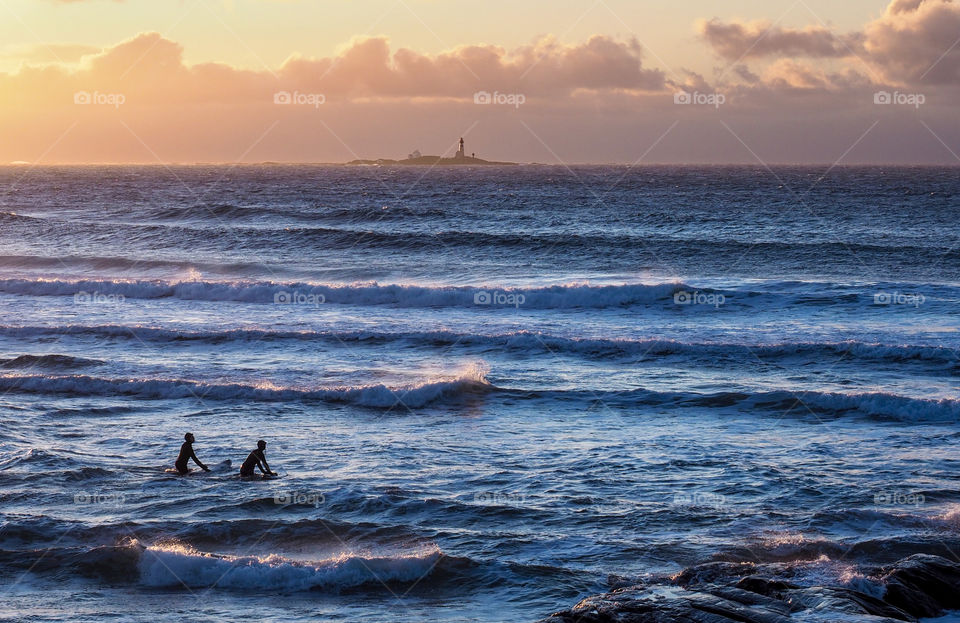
pixel 918 586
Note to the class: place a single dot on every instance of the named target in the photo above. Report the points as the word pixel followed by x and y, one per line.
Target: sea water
pixel 490 392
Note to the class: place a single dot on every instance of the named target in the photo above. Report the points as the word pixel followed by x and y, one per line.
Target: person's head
pixel 189 437
pixel 261 445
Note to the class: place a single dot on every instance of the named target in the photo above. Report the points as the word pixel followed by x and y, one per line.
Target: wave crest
pixel 361 294
pixel 182 566
pixel 472 381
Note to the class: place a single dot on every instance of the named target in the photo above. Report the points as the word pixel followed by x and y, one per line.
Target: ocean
pixel 490 391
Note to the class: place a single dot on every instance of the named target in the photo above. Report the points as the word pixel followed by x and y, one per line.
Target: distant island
pixel 460 158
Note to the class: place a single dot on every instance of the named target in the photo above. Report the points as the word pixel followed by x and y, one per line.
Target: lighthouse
pixel 460 153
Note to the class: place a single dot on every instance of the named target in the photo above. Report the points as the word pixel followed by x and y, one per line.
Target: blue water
pixel 490 391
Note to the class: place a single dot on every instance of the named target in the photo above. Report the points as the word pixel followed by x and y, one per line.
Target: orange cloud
pixel 913 43
pixel 736 41
pixel 150 68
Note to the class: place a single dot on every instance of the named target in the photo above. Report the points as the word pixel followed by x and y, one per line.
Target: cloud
pixel 736 41
pixel 546 67
pixel 915 42
pixel 150 68
pixel 789 74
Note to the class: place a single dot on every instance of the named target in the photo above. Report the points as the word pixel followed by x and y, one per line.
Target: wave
pixel 520 342
pixel 124 263
pixel 13 217
pixel 175 566
pixel 471 382
pixel 879 405
pixel 293 226
pixel 230 212
pixel 553 297
pixel 49 361
pixel 351 230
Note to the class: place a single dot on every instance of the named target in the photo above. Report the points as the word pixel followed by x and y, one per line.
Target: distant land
pixel 432 160
pixel 460 158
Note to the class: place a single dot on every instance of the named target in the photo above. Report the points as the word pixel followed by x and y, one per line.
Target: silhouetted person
pixel 256 459
pixel 187 453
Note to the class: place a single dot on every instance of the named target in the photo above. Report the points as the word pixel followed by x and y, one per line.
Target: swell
pixel 676 295
pixel 183 567
pixel 171 564
pixel 471 382
pixel 125 263
pixel 177 566
pixel 880 405
pixel 52 361
pixel 338 237
pixel 563 296
pixel 13 217
pixel 523 342
pixel 230 211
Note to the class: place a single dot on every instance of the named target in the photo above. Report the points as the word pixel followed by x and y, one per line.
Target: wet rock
pixel 922 585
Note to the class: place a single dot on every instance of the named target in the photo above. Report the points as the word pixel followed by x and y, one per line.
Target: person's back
pixel 187 453
pixel 253 460
pixel 256 458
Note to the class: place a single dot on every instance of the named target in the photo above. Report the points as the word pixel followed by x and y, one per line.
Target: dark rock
pixel 713 571
pixel 845 600
pixel 765 586
pixel 923 585
pixel 667 604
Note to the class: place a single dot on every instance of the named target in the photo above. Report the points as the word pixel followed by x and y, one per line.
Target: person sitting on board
pixel 187 453
pixel 256 459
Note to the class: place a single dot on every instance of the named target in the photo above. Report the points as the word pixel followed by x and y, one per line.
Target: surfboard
pixel 261 477
pixel 219 467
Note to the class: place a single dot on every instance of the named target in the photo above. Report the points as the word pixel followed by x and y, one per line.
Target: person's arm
pixel 266 468
pixel 197 461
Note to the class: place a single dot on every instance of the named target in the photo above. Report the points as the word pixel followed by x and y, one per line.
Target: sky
pixel 554 81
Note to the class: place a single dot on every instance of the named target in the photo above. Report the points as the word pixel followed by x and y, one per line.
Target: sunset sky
pixel 774 81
